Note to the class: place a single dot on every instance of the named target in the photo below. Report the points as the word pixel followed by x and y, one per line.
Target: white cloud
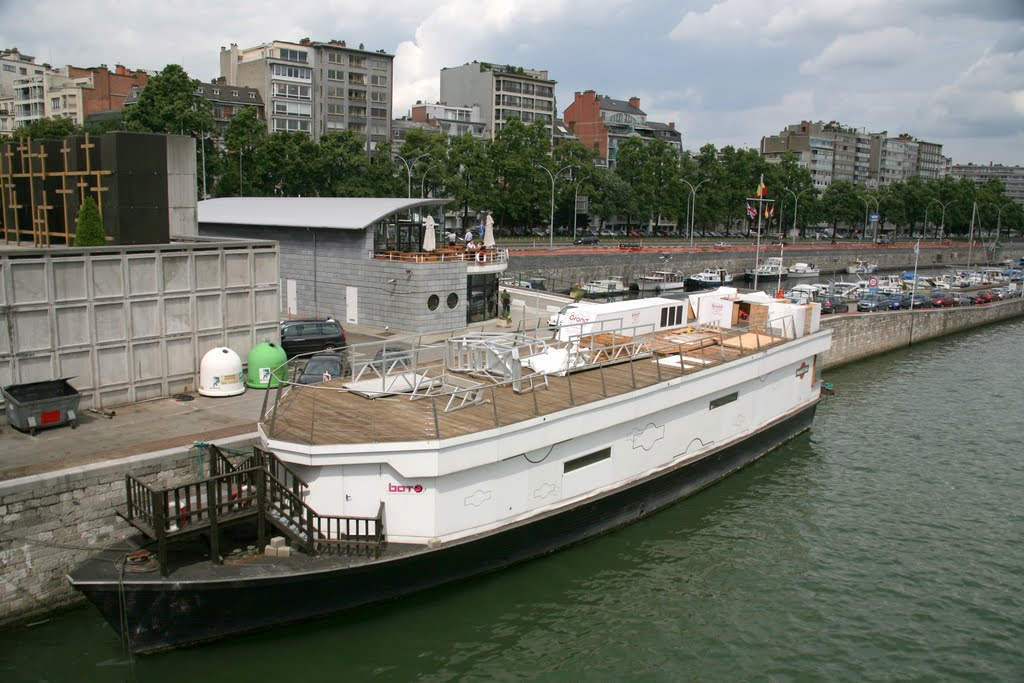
pixel 887 47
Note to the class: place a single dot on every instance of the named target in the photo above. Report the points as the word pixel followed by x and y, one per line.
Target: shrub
pixel 89 227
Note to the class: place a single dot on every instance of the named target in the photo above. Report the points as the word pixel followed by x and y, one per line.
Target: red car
pixel 983 297
pixel 941 299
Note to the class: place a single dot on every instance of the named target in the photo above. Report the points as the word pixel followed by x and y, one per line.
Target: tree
pixel 48 128
pixel 516 152
pixel 244 135
pixel 169 104
pixel 841 204
pixel 89 226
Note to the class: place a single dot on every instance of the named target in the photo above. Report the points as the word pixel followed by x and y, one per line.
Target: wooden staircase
pixel 256 487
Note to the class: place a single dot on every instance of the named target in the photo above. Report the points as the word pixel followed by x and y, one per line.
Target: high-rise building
pixel 502 92
pixel 603 123
pixel 1012 177
pixel 813 148
pixel 317 87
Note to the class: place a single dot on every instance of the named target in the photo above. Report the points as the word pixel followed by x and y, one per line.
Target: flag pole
pixel 757 249
pixel 970 240
pixel 782 249
pixel 913 290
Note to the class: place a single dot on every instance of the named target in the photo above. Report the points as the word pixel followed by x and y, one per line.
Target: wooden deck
pixel 328 413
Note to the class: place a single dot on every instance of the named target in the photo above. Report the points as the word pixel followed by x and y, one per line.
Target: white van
pixel 553 321
pixel 636 316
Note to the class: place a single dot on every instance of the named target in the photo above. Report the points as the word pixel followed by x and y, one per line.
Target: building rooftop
pixel 624 106
pixel 337 213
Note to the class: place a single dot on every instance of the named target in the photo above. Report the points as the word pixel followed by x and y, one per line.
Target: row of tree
pixel 518 174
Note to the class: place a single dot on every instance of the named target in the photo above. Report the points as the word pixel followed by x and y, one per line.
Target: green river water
pixel 887 544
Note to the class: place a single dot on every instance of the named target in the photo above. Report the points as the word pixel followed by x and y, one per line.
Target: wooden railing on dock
pixel 259 487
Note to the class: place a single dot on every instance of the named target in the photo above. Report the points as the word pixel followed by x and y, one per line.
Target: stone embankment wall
pixel 51 522
pixel 562 269
pixel 857 336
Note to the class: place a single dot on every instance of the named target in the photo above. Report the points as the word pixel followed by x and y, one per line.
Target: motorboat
pixel 804 270
pixel 708 278
pixel 661 281
pixel 861 267
pixel 771 268
pixel 608 286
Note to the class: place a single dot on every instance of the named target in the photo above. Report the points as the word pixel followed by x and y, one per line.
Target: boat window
pixel 589 459
pixel 724 400
pixel 664 316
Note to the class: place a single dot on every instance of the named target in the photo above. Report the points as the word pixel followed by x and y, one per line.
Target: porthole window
pixel 453 300
pixel 433 302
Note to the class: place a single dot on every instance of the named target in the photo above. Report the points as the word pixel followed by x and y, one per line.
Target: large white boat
pixel 770 268
pixel 861 267
pixel 608 286
pixel 429 464
pixel 804 270
pixel 661 281
pixel 709 278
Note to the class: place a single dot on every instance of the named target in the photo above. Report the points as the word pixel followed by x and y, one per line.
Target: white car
pixel 555 321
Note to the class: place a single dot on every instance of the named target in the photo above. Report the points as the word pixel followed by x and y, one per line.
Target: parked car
pixel 588 239
pixel 941 299
pixel 983 296
pixel 831 304
pixel 962 299
pixel 323 367
pixel 553 320
pixel 871 303
pixel 920 301
pixel 305 336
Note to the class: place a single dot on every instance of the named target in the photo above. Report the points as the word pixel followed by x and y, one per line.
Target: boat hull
pixel 164 613
pixel 656 287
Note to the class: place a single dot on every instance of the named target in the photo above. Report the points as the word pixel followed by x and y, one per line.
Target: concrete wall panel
pixel 112 365
pixel 32 330
pixel 268 306
pixel 204 343
pixel 28 283
pixel 265 267
pixel 110 322
pixel 176 273
pixel 142 276
pixel 145 316
pixel 69 281
pixel 238 270
pixel 145 392
pixel 238 309
pixel 107 277
pixel 208 271
pixel 72 325
pixel 240 341
pixel 147 361
pixel 77 364
pixel 177 315
pixel 209 313
pixel 36 368
pixel 179 357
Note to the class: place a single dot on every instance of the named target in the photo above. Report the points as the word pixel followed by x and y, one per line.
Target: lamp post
pixel 942 228
pixel 408 167
pixel 866 207
pixel 999 217
pixel 575 204
pixel 551 225
pixel 796 203
pixel 693 202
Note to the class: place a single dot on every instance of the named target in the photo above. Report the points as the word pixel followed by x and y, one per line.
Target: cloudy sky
pixel 725 71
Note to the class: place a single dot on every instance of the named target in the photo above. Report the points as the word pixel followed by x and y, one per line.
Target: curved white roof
pixel 340 213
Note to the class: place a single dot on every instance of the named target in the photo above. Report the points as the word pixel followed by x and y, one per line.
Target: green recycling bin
pixel 268 365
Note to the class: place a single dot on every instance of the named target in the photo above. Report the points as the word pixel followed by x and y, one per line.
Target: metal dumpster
pixel 35 405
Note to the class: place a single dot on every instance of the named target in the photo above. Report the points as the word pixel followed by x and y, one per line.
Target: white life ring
pixel 480 257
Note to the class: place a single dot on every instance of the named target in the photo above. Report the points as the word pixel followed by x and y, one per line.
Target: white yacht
pixel 804 270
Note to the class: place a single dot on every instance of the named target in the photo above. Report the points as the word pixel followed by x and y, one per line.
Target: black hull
pixel 163 614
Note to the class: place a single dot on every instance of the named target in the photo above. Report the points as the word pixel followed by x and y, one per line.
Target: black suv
pixel 303 336
pixel 587 239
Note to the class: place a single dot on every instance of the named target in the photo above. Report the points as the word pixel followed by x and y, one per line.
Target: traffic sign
pixel 872 282
pixel 873 217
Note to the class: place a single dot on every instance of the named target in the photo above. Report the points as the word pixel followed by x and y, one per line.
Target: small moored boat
pixel 804 270
pixel 661 281
pixel 708 278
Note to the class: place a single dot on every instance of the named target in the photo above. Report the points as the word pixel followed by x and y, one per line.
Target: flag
pixel 770 211
pixel 762 191
pixel 751 212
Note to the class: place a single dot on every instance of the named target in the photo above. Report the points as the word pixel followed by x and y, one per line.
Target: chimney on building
pixel 634 102
pixel 672 125
pixel 304 41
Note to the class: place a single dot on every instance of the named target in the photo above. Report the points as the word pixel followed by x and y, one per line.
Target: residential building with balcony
pixel 451 120
pixel 502 92
pixel 813 148
pixel 603 123
pixel 893 160
pixel 226 102
pixel 317 87
pixel 15 65
pixel 1012 177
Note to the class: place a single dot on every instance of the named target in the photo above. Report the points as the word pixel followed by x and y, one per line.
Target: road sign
pixel 873 217
pixel 872 282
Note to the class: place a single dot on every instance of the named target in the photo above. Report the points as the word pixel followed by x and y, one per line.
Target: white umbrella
pixel 429 243
pixel 489 232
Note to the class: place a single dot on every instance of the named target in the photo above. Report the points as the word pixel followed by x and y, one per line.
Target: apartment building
pixel 809 143
pixel 226 101
pixel 15 65
pixel 1012 177
pixel 316 87
pixel 451 120
pixel 502 92
pixel 603 123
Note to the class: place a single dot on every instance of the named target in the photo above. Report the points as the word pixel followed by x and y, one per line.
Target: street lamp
pixel 999 215
pixel 796 204
pixel 408 167
pixel 551 225
pixel 575 204
pixel 693 202
pixel 942 228
pixel 866 207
